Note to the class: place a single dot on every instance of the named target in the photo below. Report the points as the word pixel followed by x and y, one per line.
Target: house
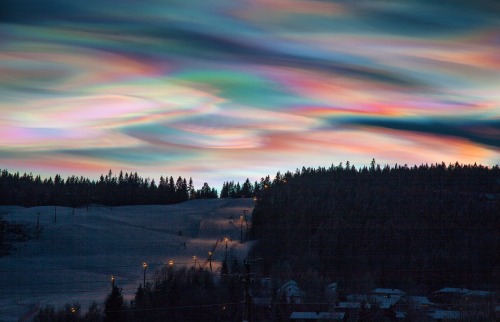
pixel 449 295
pixel 317 316
pixel 386 297
pixel 331 292
pixel 291 292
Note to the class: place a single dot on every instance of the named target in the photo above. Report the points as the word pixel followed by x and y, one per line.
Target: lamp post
pixel 171 269
pixel 194 257
pixel 226 239
pixel 241 229
pixel 144 266
pixel 112 282
pixel 210 260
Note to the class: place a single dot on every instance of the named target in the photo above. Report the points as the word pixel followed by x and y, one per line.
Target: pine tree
pixel 246 190
pixel 114 307
pixel 191 192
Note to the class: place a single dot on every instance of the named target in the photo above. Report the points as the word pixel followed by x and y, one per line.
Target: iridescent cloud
pixel 222 90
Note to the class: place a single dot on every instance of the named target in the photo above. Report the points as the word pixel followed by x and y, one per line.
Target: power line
pixel 94 267
pixel 65 292
pixel 62 283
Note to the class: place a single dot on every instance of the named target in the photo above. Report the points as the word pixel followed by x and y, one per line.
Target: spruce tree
pixel 114 306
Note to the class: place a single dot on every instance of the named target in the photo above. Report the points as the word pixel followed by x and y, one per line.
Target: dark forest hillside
pixel 426 226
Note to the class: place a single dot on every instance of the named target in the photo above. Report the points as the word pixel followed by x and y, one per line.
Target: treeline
pixel 247 190
pixel 110 190
pixel 425 226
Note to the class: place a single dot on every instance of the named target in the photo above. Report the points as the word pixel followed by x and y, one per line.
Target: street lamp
pixel 144 266
pixel 226 239
pixel 171 269
pixel 194 257
pixel 210 260
pixel 112 281
pixel 241 229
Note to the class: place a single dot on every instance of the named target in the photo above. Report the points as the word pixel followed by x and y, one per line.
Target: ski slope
pixel 78 250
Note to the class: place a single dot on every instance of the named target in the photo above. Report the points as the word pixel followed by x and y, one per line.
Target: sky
pixel 227 90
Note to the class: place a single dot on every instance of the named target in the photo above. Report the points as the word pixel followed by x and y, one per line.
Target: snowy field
pixel 74 258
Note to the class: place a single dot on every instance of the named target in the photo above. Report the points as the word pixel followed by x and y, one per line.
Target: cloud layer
pixel 226 90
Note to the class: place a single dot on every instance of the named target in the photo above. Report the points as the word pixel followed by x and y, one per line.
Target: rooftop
pixel 453 290
pixel 388 291
pixel 448 315
pixel 317 315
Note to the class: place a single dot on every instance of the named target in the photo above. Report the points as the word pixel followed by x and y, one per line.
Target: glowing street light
pixel 112 281
pixel 226 239
pixel 144 266
pixel 194 257
pixel 210 260
pixel 171 269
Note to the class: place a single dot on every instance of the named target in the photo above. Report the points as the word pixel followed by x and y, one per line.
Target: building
pixel 449 295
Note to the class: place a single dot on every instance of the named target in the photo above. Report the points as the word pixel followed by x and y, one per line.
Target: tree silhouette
pixel 114 306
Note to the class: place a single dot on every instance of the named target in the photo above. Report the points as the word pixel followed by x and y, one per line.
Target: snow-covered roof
pixel 480 293
pixel 448 315
pixel 420 300
pixel 453 290
pixel 388 291
pixel 358 297
pixel 317 316
pixel 348 305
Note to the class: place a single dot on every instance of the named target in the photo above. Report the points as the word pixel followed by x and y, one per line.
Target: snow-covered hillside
pixel 74 258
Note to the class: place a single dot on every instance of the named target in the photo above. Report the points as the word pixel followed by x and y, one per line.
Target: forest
pixel 126 189
pixel 416 228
